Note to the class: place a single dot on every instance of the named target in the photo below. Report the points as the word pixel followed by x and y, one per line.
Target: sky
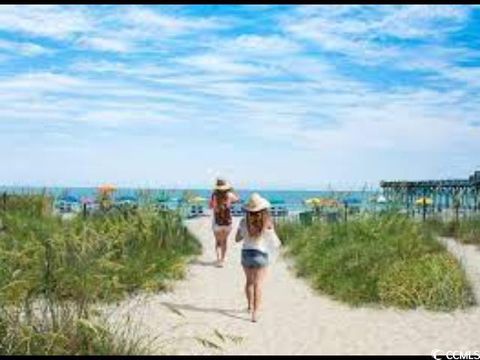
pixel 267 96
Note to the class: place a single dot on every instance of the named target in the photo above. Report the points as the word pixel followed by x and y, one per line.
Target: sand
pixel 294 319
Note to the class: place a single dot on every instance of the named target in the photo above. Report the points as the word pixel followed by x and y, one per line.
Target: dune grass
pixel 385 259
pixel 54 272
pixel 466 230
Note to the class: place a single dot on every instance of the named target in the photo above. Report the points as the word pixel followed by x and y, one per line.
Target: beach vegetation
pixel 54 272
pixel 466 230
pixel 386 259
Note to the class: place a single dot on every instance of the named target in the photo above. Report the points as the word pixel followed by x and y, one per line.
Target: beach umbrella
pixel 197 199
pixel 107 188
pixel 325 202
pixel 87 201
pixel 350 200
pixel 311 201
pixel 127 198
pixel 424 201
pixel 329 203
pixel 69 198
pixel 276 200
pixel 162 198
pixel 381 199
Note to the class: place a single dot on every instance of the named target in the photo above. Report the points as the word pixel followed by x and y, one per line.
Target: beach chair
pixel 278 208
pixel 195 210
pixel 237 209
pixel 67 204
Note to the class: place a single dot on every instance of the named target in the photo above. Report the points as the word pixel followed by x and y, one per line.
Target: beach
pixel 129 133
pixel 206 313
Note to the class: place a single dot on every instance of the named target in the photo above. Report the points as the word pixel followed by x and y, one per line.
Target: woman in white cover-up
pixel 260 248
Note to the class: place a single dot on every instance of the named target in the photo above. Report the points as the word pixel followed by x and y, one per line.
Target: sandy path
pixel 294 320
pixel 469 256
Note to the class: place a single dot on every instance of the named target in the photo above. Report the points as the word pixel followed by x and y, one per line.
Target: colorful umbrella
pixel 197 199
pixel 276 201
pixel 163 198
pixel 69 198
pixel 107 188
pixel 311 201
pixel 127 198
pixel 322 202
pixel 329 203
pixel 87 201
pixel 424 201
pixel 352 201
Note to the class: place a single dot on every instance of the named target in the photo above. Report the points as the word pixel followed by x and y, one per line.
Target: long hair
pixel 257 222
pixel 221 196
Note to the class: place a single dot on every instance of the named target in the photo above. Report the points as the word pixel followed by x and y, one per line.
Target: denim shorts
pixel 254 258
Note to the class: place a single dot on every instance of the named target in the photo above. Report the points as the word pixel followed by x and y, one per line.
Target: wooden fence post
pixel 4 201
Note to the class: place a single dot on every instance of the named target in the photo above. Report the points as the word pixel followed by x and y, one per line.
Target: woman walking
pixel 260 246
pixel 221 202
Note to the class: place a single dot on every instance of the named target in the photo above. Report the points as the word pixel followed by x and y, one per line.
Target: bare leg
pixel 249 286
pixel 258 276
pixel 225 234
pixel 218 244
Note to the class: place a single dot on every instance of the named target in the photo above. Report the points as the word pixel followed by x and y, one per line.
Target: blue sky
pixel 294 97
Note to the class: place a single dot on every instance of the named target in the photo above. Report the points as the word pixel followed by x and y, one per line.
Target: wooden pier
pixel 445 194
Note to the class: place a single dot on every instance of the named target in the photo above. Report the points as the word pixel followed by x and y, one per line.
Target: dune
pixel 206 314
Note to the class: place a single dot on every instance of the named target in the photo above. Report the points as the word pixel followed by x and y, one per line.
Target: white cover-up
pixel 268 242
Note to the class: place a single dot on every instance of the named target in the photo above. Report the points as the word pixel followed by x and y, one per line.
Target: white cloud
pixel 105 44
pixel 358 31
pixel 212 63
pixel 53 21
pixel 41 81
pixel 147 19
pixel 273 45
pixel 24 48
pixel 423 20
pixel 265 87
pixel 105 29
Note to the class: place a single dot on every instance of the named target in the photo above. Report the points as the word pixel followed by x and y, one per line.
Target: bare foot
pixel 254 316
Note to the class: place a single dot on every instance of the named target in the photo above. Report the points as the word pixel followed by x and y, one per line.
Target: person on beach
pixel 221 202
pixel 259 249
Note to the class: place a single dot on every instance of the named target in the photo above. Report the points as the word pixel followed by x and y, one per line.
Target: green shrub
pixel 350 261
pixel 68 266
pixel 73 336
pixel 468 231
pixel 433 281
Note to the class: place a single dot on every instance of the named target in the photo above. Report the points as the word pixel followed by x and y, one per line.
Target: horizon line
pixel 329 187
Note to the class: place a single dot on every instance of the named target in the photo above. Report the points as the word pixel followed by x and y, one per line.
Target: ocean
pixel 293 200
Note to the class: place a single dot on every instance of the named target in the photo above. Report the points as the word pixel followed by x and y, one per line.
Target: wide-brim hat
pixel 256 203
pixel 222 185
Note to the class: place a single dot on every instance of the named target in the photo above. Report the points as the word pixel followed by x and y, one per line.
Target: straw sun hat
pixel 256 203
pixel 222 185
